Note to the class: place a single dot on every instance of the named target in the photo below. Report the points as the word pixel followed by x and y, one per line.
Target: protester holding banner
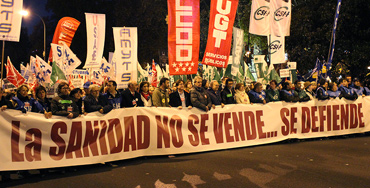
pixel 273 93
pixel 308 88
pixel 63 104
pixel 113 96
pixel 180 98
pixel 76 95
pixel 321 92
pixel 303 97
pixel 240 96
pixel 333 91
pixel 228 93
pixel 42 104
pixel 199 96
pixel 22 101
pixel 357 87
pixel 215 94
pixel 96 102
pixel 145 94
pixel 257 95
pixel 4 104
pixel 346 92
pixel 161 97
pixel 130 96
pixel 287 94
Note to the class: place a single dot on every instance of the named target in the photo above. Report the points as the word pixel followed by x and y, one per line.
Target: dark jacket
pixel 322 94
pixel 303 97
pixel 63 105
pixel 273 95
pixel 93 105
pixel 200 98
pixel 23 104
pixel 228 97
pixel 215 96
pixel 175 100
pixel 4 102
pixel 347 93
pixel 129 100
pixel 256 97
pixel 115 101
pixel 42 106
pixel 287 96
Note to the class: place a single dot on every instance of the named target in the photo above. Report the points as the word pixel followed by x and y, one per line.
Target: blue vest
pixel 334 94
pixel 261 96
pixel 41 107
pixel 358 91
pixel 114 101
pixel 367 91
pixel 345 89
pixel 24 105
pixel 287 92
pixel 325 93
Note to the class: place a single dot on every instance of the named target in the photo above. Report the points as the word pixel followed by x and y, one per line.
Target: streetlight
pixel 25 13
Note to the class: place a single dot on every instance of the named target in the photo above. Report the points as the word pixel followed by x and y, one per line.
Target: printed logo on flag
pixel 262 13
pixel 281 13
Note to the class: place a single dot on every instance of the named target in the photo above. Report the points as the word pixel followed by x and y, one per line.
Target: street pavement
pixel 329 163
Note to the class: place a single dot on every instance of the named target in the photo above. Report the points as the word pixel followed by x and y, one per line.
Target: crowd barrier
pixel 29 141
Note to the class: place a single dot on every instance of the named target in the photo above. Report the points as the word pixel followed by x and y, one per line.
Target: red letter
pixel 285 128
pixel 162 132
pixel 260 124
pixel 335 117
pixel 306 116
pixel 314 119
pixel 57 153
pixel 322 117
pixel 193 139
pixel 328 108
pixel 250 125
pixel 36 145
pixel 102 140
pixel 238 126
pixel 229 138
pixel 360 115
pixel 353 116
pixel 176 131
pixel 217 128
pixel 115 144
pixel 203 129
pixel 143 132
pixel 91 138
pixel 344 116
pixel 75 141
pixel 293 120
pixel 130 138
pixel 16 156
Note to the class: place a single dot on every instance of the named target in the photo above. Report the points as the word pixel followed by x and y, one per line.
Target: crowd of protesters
pixel 199 94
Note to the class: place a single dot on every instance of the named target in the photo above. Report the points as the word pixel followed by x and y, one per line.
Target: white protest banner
pixel 30 141
pixel 284 73
pixel 81 74
pixel 292 65
pixel 10 20
pixel 238 45
pixel 95 26
pixel 281 11
pixel 277 49
pixel 126 45
pixel 260 18
pixel 70 59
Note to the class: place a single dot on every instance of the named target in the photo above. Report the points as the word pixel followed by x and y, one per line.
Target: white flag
pixel 277 49
pixel 95 26
pixel 44 71
pixel 107 69
pixel 260 18
pixel 238 45
pixel 23 70
pixel 281 15
pixel 70 59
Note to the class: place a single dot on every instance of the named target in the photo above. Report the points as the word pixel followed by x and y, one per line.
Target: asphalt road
pixel 335 162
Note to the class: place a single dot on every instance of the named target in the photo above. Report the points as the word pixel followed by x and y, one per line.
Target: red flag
pixel 154 75
pixel 220 32
pixel 183 36
pixel 64 32
pixel 13 75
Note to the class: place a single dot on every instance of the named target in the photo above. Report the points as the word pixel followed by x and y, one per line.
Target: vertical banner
pixel 281 17
pixel 260 18
pixel 10 20
pixel 237 50
pixel 277 49
pixel 183 36
pixel 126 45
pixel 220 30
pixel 331 52
pixel 64 32
pixel 95 27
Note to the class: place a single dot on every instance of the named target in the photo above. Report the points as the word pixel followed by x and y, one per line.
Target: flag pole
pixel 2 64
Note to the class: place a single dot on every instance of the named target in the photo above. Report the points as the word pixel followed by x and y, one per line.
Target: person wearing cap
pixel 303 97
pixel 130 96
pixel 357 87
pixel 23 101
pixel 63 104
pixel 199 96
pixel 273 94
pixel 257 95
pixel 96 102
pixel 287 94
pixel 322 93
pixel 161 96
pixel 113 96
pixel 333 91
pixel 307 86
pixel 346 92
pixel 42 104
pixel 228 93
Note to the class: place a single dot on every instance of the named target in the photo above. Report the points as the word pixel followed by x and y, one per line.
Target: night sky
pixel 34 6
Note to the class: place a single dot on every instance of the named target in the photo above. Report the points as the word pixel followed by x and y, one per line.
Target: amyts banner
pixel 220 30
pixel 183 36
pixel 95 27
pixel 64 32
pixel 10 20
pixel 29 141
pixel 126 46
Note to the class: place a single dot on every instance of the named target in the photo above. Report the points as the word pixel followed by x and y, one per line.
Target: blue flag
pixel 331 52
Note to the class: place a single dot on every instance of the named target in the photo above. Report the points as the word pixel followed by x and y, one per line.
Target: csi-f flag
pixel 281 11
pixel 260 18
pixel 277 49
